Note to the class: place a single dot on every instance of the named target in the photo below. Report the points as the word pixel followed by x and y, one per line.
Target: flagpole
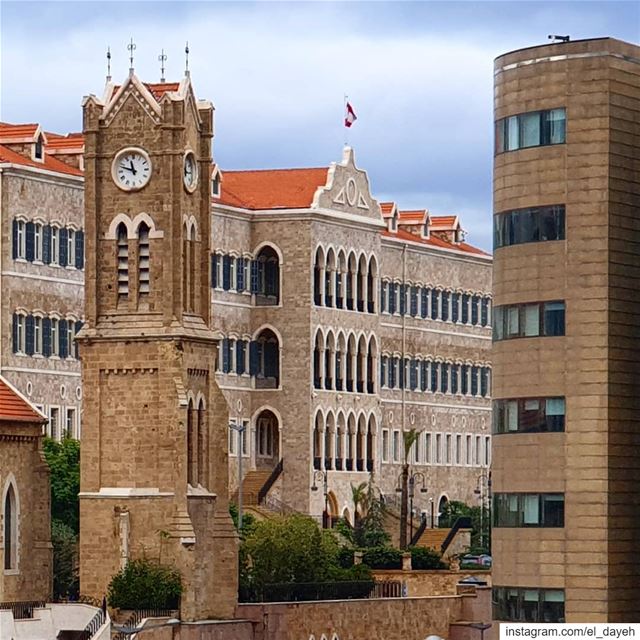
pixel 346 129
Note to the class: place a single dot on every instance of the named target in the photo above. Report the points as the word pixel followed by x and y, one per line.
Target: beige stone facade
pixel 42 275
pixel 25 520
pixel 582 453
pixel 331 402
pixel 154 448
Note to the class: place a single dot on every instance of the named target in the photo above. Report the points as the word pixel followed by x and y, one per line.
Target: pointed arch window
pixel 143 260
pixel 10 530
pixel 123 261
pixel 192 269
pixel 202 445
pixel 192 445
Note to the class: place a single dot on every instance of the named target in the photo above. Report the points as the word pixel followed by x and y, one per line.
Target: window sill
pixel 11 572
pixel 21 260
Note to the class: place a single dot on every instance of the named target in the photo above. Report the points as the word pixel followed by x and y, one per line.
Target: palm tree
pixel 409 437
pixel 360 497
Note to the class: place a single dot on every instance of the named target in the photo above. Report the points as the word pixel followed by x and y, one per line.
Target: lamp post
pixel 240 428
pixel 411 482
pixel 324 476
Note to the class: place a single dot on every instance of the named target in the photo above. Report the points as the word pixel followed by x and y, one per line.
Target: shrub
pixel 423 558
pixel 65 570
pixel 382 558
pixel 144 584
pixel 345 557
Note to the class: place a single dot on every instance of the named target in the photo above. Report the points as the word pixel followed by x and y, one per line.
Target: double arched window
pixel 197 444
pixel 10 528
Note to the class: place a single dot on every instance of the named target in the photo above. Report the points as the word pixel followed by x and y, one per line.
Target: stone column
pixel 322 451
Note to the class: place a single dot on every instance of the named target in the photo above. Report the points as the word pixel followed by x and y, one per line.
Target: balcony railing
pixel 23 610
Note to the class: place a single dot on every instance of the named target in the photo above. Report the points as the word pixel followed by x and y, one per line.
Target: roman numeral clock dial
pixel 131 169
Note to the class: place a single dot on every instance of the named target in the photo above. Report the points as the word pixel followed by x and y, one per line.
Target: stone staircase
pixel 433 538
pixel 251 485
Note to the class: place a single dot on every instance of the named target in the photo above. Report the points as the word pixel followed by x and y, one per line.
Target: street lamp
pixel 240 428
pixel 416 475
pixel 324 476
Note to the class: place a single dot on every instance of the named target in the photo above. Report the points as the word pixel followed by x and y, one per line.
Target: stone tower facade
pixel 154 476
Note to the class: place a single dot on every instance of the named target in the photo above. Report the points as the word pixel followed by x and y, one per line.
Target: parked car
pixel 483 560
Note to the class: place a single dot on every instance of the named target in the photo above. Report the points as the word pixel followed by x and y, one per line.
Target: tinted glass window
pixel 528 415
pixel 529 320
pixel 533 129
pixel 538 224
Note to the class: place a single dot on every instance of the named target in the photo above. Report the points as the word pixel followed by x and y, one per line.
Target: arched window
pixel 265 277
pixel 267 436
pixel 317 441
pixel 371 449
pixel 10 517
pixel 143 260
pixel 351 281
pixel 329 354
pixel 318 354
pixel 351 437
pixel 192 448
pixel 123 261
pixel 185 263
pixel 361 279
pixel 318 276
pixel 265 360
pixel 192 270
pixel 351 362
pixel 371 288
pixel 203 441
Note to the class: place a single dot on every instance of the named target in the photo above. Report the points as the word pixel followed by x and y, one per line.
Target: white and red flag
pixel 350 115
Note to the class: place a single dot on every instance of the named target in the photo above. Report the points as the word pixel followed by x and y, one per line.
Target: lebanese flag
pixel 350 116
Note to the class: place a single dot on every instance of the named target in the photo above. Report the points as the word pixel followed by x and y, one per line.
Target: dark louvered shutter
pixel 240 274
pixel 16 346
pixel 62 331
pixel 78 326
pixel 214 270
pixel 403 299
pixel 62 253
pixel 46 244
pixel 271 353
pixel 255 276
pixel 46 337
pixel 226 355
pixel 241 346
pixel 254 358
pixel 226 272
pixel 29 249
pixel 15 239
pixel 29 334
pixel 79 249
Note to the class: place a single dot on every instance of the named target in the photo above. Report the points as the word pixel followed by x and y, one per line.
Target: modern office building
pixel 566 355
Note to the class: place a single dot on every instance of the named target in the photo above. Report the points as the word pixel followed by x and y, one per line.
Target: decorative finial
pixel 162 58
pixel 186 58
pixel 108 64
pixel 131 47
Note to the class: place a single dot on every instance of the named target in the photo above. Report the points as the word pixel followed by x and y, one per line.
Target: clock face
pixel 190 171
pixel 131 169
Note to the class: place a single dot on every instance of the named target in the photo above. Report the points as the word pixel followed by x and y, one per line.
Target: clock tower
pixel 154 472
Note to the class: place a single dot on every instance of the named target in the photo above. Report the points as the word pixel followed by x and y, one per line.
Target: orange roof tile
pixel 271 188
pixel 433 241
pixel 70 141
pixel 17 131
pixel 444 222
pixel 50 163
pixel 416 215
pixel 387 209
pixel 157 89
pixel 14 407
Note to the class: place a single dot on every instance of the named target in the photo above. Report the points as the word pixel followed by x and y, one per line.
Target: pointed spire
pixel 162 58
pixel 131 47
pixel 108 64
pixel 186 59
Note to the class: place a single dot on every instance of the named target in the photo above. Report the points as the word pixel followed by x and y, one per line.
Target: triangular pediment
pixel 347 190
pixel 132 89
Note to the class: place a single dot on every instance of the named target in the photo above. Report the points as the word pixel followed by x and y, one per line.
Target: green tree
pixel 65 552
pixel 64 461
pixel 248 521
pixel 369 530
pixel 480 523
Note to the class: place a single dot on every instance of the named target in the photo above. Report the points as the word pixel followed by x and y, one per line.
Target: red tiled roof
pixel 272 188
pixel 444 222
pixel 157 89
pixel 14 407
pixel 433 241
pixel 70 141
pixel 17 131
pixel 387 208
pixel 50 163
pixel 417 215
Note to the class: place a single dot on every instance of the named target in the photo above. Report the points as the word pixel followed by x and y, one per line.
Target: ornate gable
pixel 132 89
pixel 347 190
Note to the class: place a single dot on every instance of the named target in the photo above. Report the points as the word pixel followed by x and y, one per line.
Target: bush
pixel 423 558
pixel 345 557
pixel 382 558
pixel 65 570
pixel 144 584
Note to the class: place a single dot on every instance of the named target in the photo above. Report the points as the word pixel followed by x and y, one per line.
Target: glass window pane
pixel 512 415
pixel 554 319
pixel 531 510
pixel 513 133
pixel 513 321
pixel 532 320
pixel 557 129
pixel 530 129
pixel 553 510
pixel 500 136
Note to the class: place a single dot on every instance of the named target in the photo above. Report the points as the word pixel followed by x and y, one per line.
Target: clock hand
pixel 132 167
pixel 123 166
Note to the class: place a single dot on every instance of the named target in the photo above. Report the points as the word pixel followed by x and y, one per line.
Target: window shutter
pixel 29 335
pixel 403 299
pixel 15 332
pixel 392 297
pixel 46 337
pixel 240 357
pixel 254 358
pixel 240 275
pixel 255 276
pixel 62 333
pixel 64 238
pixel 226 272
pixel 78 326
pixel 79 249
pixel 383 295
pixel 214 270
pixel 46 244
pixel 383 370
pixel 271 278
pixel 15 239
pixel 226 356
pixel 271 360
pixel 29 252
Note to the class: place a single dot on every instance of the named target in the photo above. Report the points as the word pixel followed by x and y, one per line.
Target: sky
pixel 418 74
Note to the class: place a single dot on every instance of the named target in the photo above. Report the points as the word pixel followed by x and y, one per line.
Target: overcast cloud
pixel 419 75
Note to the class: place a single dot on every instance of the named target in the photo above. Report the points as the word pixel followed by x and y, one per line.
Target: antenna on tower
pixel 186 59
pixel 162 58
pixel 131 47
pixel 108 64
